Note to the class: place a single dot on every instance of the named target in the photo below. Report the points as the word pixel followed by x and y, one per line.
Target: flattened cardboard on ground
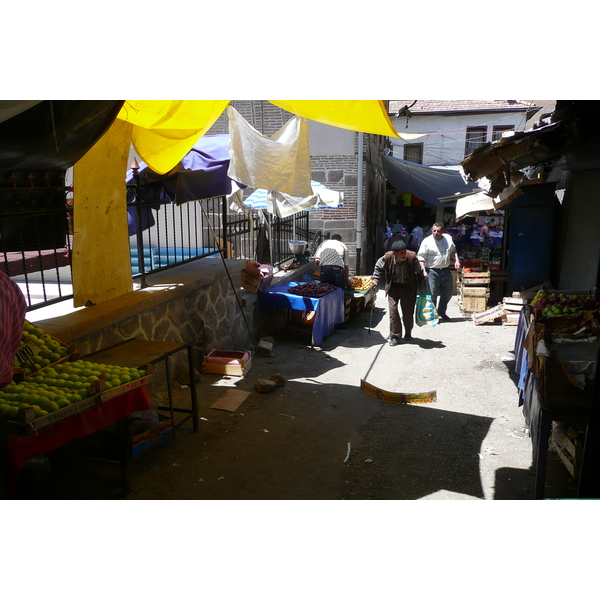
pixel 231 400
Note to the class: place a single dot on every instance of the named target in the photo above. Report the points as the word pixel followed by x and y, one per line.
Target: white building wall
pixel 445 142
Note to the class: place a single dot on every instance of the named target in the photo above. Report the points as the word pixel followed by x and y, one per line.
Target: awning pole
pixel 359 203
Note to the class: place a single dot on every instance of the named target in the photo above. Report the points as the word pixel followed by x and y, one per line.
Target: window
pixel 476 137
pixel 499 130
pixel 413 153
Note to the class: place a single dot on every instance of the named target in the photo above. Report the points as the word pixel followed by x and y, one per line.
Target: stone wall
pixel 203 308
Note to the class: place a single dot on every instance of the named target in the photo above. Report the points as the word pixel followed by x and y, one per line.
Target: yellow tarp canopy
pixel 368 116
pixel 165 130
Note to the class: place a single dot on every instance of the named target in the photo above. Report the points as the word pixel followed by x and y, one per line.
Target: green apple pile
pixel 48 351
pixel 551 303
pixel 59 386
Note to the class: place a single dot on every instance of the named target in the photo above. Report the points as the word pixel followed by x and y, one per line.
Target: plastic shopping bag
pixel 425 312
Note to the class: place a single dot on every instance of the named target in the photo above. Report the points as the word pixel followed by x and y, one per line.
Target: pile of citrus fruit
pixel 59 386
pixel 46 349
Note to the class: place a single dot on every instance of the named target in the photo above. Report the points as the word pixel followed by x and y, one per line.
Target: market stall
pixel 326 301
pixel 22 447
pixel 556 356
pixel 56 397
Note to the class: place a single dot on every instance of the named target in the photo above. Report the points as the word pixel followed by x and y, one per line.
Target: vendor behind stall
pixel 332 258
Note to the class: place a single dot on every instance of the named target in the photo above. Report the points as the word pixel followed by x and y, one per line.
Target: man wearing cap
pixel 436 254
pixel 332 258
pixel 402 273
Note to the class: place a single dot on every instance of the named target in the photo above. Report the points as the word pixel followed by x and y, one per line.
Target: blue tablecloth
pixel 329 309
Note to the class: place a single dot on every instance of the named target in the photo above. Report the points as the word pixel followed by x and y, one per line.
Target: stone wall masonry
pixel 202 309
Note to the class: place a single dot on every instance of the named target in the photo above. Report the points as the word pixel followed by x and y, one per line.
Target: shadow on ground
pixel 411 451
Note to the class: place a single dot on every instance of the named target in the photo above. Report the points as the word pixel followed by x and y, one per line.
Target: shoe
pixel 393 342
pixel 408 337
pixel 444 317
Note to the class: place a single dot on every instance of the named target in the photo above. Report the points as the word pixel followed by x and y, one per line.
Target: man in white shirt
pixel 436 254
pixel 332 258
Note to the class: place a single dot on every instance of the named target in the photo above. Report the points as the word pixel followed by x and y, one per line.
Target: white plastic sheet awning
pixel 284 205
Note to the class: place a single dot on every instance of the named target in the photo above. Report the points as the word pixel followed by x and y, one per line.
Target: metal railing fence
pixel 36 242
pixel 36 236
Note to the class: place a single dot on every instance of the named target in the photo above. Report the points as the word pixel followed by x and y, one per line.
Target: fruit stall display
pixel 38 349
pixel 312 289
pixel 56 392
pixel 555 302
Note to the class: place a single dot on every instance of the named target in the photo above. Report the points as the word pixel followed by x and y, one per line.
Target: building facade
pixel 453 128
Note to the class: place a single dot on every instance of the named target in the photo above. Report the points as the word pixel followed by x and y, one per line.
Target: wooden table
pixel 138 353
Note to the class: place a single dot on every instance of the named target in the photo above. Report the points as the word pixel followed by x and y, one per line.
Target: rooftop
pixel 444 106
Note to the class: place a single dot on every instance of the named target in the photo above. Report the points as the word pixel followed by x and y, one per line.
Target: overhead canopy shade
pixel 200 174
pixel 426 183
pixel 51 134
pixel 165 130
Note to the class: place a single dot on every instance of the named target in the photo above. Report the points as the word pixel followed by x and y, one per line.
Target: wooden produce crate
pixel 472 304
pixel 475 278
pixel 481 292
pixel 225 362
pixel 568 448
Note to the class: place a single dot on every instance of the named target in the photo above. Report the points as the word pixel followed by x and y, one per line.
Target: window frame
pixel 412 147
pixel 475 137
pixel 498 130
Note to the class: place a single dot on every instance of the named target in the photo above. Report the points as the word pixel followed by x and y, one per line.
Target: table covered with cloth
pixel 329 309
pixel 24 447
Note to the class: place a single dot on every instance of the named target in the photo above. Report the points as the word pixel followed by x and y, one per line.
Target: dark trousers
pixel 401 297
pixel 334 276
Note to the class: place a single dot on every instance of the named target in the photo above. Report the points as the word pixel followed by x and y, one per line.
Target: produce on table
pixel 359 283
pixel 314 289
pixel 43 349
pixel 551 303
pixel 61 385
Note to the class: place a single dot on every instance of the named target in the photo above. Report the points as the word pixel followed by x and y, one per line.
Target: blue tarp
pixel 329 309
pixel 426 183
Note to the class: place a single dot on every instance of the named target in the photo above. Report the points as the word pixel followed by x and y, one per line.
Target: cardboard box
pixel 256 276
pixel 226 362
pixel 163 431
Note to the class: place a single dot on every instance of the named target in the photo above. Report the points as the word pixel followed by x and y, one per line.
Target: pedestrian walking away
pixel 332 258
pixel 403 277
pixel 436 253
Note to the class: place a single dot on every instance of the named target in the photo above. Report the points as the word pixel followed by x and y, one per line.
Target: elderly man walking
pixel 402 274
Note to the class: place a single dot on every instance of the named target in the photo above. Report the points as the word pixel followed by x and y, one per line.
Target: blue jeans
pixel 441 285
pixel 334 276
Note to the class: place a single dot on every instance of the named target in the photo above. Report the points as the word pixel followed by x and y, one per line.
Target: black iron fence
pixel 36 236
pixel 36 241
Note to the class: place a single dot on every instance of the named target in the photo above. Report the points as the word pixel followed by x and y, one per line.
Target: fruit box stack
pixel 256 277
